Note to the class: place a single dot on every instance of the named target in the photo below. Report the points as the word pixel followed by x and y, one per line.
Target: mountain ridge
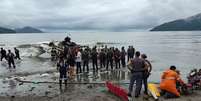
pixel 26 29
pixel 6 30
pixel 192 23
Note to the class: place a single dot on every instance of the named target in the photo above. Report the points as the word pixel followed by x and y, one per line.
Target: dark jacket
pixel 138 65
pixel 94 55
pixel 110 55
pixel 3 52
pixel 62 67
pixel 71 60
pixel 85 56
pixel 10 56
pixel 117 55
pixel 102 55
pixel 123 54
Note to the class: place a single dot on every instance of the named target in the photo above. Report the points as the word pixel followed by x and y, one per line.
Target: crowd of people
pixel 79 57
pixel 73 57
pixel 10 56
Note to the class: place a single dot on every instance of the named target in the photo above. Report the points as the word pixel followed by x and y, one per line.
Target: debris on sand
pixel 32 88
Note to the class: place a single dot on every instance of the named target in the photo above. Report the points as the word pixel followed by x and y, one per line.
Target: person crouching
pixel 168 83
pixel 62 67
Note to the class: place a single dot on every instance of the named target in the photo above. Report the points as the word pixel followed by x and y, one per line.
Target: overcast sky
pixel 114 15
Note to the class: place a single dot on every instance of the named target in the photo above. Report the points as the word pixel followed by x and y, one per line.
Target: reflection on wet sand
pixel 112 75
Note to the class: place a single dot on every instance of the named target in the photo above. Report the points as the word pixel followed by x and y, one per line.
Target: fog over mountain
pixel 109 15
pixel 192 23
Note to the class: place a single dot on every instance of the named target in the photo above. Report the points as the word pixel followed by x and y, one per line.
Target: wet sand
pixel 91 93
pixel 17 91
pixel 38 89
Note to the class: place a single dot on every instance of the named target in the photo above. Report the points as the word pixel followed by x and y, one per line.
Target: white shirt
pixel 78 57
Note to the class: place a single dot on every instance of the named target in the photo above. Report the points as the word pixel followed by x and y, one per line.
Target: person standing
pixel 94 57
pixel 147 72
pixel 110 57
pixel 102 58
pixel 17 54
pixel 85 58
pixel 71 62
pixel 78 61
pixel 3 54
pixel 132 52
pixel 137 70
pixel 62 67
pixel 117 56
pixel 129 53
pixel 10 59
pixel 123 55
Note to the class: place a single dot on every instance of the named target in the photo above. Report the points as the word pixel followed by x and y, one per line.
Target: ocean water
pixel 182 49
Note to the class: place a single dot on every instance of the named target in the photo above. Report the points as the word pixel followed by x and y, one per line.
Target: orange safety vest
pixel 168 82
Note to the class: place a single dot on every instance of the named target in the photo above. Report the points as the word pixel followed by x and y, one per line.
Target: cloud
pixel 55 15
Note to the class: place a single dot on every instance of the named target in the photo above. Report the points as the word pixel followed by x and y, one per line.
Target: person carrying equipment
pixel 62 67
pixel 168 83
pixel 10 59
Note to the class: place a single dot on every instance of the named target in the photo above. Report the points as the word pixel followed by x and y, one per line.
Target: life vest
pixel 168 82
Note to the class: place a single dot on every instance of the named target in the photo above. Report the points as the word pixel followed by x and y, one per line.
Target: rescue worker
pixel 117 56
pixel 168 83
pixel 10 59
pixel 137 69
pixel 71 63
pixel 65 51
pixel 110 57
pixel 62 67
pixel 102 58
pixel 94 57
pixel 3 54
pixel 78 61
pixel 147 72
pixel 85 58
pixel 129 53
pixel 132 51
pixel 123 55
pixel 17 53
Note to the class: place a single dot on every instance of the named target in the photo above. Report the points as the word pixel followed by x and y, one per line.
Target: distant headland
pixel 26 29
pixel 192 23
